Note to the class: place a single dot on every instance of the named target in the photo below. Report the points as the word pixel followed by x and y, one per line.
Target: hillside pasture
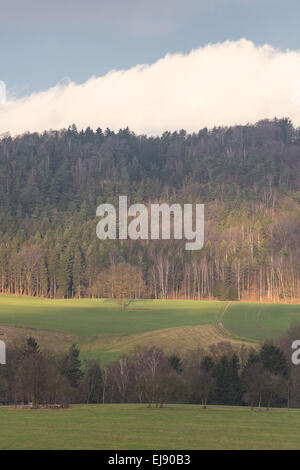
pixel 104 331
pixel 260 321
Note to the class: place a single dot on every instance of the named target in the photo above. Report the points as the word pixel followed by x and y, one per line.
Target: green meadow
pixel 135 427
pixel 101 328
pixel 104 331
pixel 88 317
pixel 260 321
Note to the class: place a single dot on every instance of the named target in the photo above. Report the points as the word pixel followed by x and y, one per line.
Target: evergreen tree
pixel 64 275
pixel 44 279
pixel 71 367
pixel 228 384
pixel 77 273
pixel 31 347
pixel 274 360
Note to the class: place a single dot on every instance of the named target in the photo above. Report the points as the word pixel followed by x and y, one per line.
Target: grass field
pixel 136 427
pixel 259 321
pixel 103 317
pixel 103 331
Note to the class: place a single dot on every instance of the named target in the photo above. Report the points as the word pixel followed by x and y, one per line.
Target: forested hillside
pixel 248 177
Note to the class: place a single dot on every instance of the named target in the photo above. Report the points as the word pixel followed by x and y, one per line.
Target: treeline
pixel 220 375
pixel 247 177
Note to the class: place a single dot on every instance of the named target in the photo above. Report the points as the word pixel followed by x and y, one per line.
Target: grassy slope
pixel 103 331
pixel 103 317
pixel 259 321
pixel 136 427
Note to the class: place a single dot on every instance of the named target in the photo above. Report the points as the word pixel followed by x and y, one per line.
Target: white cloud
pixel 219 84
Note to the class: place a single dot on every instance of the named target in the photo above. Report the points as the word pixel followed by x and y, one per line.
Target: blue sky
pixel 43 42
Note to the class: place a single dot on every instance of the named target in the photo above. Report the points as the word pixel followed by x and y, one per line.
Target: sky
pixel 73 60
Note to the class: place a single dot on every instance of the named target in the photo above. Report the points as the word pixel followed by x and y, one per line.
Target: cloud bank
pixel 220 84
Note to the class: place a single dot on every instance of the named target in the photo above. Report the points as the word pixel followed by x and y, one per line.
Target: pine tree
pixel 44 279
pixel 71 367
pixel 31 347
pixel 77 272
pixel 63 276
pixel 228 385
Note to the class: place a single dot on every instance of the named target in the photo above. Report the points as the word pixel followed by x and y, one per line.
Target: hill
pixel 247 176
pixel 259 321
pixel 103 331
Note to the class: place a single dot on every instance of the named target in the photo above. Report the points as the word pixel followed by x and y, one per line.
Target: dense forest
pixel 248 177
